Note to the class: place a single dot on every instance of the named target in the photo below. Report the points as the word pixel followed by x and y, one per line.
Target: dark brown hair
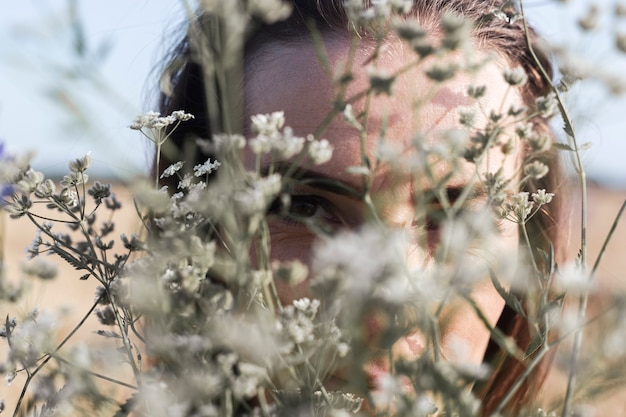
pixel 490 33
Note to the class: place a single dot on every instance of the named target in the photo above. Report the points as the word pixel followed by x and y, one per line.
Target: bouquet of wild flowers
pixel 286 274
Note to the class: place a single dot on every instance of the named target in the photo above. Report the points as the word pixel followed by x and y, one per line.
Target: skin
pixel 272 86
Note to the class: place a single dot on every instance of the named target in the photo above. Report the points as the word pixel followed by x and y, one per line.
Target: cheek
pixel 287 246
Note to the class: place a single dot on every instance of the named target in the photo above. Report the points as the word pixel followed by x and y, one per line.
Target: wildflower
pixel 80 164
pixel 524 130
pixel 288 145
pixel 536 170
pixel 33 338
pixel 256 199
pixel 476 91
pixel 19 207
pixel 467 116
pixel 30 181
pixel 495 184
pixel 7 327
pixel 571 277
pixel 106 316
pixel 293 272
pixel 546 106
pixel 132 244
pixel 172 169
pixel 144 120
pixel 206 168
pixel 422 47
pixel 519 207
pixel 182 116
pixel 441 72
pixel 355 9
pixel 74 178
pixel 40 269
pixel 381 82
pixel 350 117
pixel 99 191
pixel 319 151
pixel 269 11
pixel 409 30
pixel 268 124
pixel 541 197
pixel 401 6
pixel 456 31
pixel 515 77
pixel 46 189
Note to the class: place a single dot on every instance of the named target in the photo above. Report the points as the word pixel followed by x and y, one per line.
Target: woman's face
pixel 289 78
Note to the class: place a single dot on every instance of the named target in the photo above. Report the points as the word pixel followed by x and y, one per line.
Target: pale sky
pixel 36 49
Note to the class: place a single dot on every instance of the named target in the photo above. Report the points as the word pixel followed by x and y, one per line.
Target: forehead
pixel 289 77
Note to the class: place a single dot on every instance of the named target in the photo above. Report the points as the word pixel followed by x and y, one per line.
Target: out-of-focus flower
pixel 380 82
pixel 268 124
pixel 541 197
pixel 515 77
pixel 518 208
pixel 536 169
pixel 546 106
pixel 206 168
pixel 80 164
pixel 441 72
pixel 319 151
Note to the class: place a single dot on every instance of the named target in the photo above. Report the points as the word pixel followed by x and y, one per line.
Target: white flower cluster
pixel 276 139
pixel 154 120
pixel 520 209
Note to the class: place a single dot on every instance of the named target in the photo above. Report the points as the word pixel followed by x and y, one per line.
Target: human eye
pixel 306 210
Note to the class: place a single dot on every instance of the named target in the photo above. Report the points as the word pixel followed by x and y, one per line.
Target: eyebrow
pixel 324 182
pixel 315 179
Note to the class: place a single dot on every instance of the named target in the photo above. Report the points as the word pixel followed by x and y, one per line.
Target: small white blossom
pixel 539 142
pixel 546 106
pixel 40 268
pixel 380 82
pixel 74 178
pixel 524 130
pixel 467 116
pixel 572 278
pixel 319 151
pixel 515 77
pixel 45 189
pixel 144 120
pixel 519 207
pixel 536 169
pixel 69 197
pixel 172 169
pixel 288 145
pixel 541 197
pixel 206 168
pixel 80 164
pixel 268 124
pixel 182 116
pixel 269 11
pixel 30 181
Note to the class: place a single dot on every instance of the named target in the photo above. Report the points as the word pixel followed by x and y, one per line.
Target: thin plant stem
pixel 582 306
pixel 31 375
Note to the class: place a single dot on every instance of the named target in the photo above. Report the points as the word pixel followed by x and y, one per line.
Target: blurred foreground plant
pixel 191 304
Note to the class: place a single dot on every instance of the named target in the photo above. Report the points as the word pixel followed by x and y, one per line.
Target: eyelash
pixel 286 215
